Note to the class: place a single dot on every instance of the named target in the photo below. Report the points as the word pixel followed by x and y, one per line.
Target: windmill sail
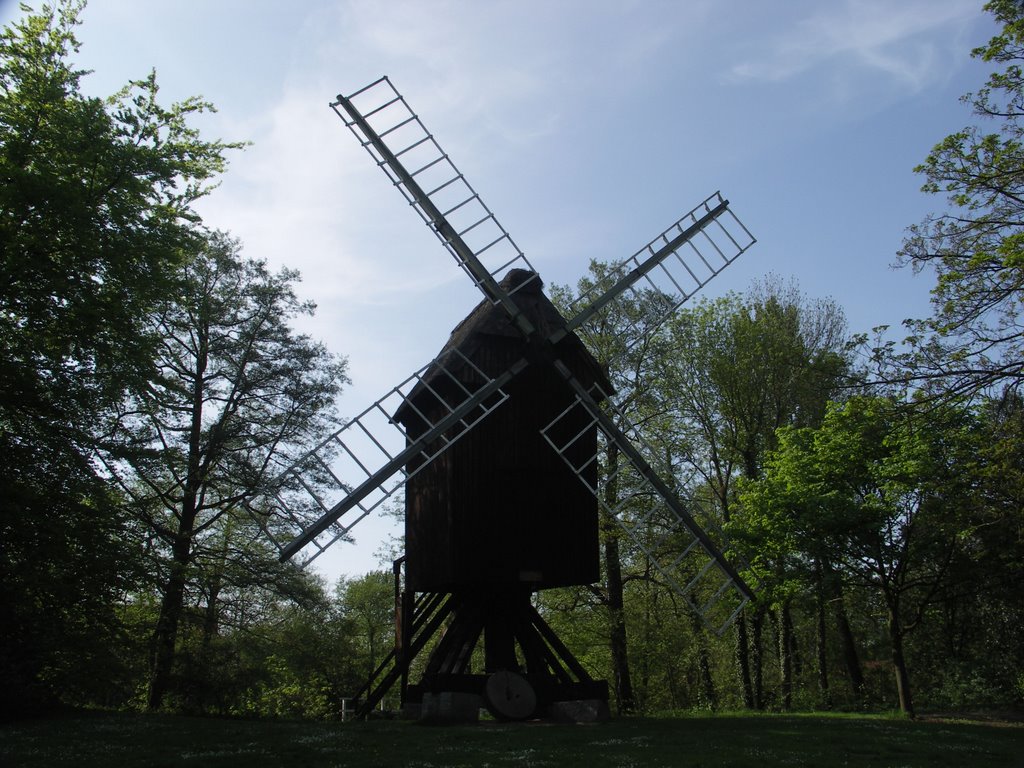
pixel 673 542
pixel 319 499
pixel 673 266
pixel 401 146
pixel 678 262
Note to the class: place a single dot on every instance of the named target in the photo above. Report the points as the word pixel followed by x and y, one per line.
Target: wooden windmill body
pixel 498 454
pixel 500 509
pixel 500 515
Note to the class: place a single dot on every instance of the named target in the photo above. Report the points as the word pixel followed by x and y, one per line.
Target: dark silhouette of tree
pixel 238 393
pixel 96 218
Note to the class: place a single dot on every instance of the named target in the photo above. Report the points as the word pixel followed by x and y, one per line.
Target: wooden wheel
pixel 510 696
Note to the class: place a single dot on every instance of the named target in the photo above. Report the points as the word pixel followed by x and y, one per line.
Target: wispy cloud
pixel 459 56
pixel 875 35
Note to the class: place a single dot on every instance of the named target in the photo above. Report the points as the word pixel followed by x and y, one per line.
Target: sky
pixel 587 126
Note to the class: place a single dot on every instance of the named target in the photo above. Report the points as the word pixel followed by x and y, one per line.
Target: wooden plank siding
pixel 500 507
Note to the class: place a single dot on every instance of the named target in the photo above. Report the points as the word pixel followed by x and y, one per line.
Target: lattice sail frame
pixel 321 497
pixel 384 124
pixel 672 541
pixel 672 266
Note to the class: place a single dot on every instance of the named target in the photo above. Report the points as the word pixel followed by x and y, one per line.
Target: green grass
pixel 95 739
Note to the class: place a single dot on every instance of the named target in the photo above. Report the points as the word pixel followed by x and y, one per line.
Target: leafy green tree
pixel 96 218
pixel 975 339
pixel 236 597
pixel 1000 467
pixel 237 394
pixel 624 338
pixel 876 490
pixel 706 391
pixel 367 606
pixel 979 608
pixel 271 656
pixel 973 344
pixel 64 566
pixel 741 368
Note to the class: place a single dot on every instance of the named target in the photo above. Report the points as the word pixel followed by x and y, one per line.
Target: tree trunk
pixel 820 640
pixel 707 697
pixel 742 650
pixel 847 643
pixel 204 689
pixel 899 664
pixel 757 657
pixel 848 647
pixel 618 641
pixel 211 619
pixel 785 637
pixel 172 604
pixel 166 633
pixel 642 691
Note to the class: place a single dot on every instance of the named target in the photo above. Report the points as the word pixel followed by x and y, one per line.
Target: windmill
pixel 495 444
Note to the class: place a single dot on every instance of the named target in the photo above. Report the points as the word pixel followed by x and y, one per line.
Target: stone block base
pixel 580 711
pixel 449 707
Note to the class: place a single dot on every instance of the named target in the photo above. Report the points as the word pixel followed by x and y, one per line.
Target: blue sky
pixel 586 126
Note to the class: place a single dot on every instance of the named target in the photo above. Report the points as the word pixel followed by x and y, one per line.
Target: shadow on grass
pixel 90 740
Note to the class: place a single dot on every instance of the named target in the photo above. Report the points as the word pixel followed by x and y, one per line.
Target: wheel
pixel 510 696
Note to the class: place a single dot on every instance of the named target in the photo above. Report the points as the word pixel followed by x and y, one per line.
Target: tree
pixel 876 490
pixel 975 340
pixel 238 393
pixel 979 609
pixel 95 218
pixel 741 368
pixel 624 339
pixel 64 565
pixel 302 664
pixel 706 391
pixel 367 605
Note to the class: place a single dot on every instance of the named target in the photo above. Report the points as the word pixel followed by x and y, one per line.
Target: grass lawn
pixel 101 739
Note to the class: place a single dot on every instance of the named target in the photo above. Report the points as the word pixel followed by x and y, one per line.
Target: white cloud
pixel 474 60
pixel 874 35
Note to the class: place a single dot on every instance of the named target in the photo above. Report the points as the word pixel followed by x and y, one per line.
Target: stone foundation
pixel 580 711
pixel 450 707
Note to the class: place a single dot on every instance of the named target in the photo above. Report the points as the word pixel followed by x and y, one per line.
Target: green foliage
pixel 706 391
pixel 63 566
pixel 876 491
pixel 283 693
pixel 236 396
pixel 95 220
pixel 581 621
pixel 741 368
pixel 971 649
pixel 267 656
pixel 972 345
pixel 853 487
pixel 744 366
pixel 367 607
pixel 974 339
